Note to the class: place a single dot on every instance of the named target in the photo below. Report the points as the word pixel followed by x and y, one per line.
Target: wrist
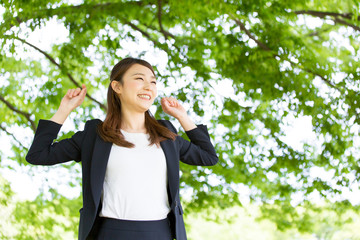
pixel 186 122
pixel 64 111
pixel 60 115
pixel 183 118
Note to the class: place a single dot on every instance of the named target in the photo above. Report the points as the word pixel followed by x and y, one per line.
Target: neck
pixel 133 121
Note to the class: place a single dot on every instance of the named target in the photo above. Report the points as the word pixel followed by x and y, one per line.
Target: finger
pixel 84 89
pixel 165 100
pixel 72 93
pixel 171 103
pixel 77 91
pixel 170 99
pixel 165 104
pixel 173 99
pixel 68 93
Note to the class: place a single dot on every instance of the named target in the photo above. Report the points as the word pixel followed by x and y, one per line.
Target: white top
pixel 135 185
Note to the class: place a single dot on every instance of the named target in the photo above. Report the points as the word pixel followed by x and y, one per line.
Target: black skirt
pixel 115 229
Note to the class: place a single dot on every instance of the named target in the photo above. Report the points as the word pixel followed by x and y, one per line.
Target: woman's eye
pixel 153 82
pixel 139 79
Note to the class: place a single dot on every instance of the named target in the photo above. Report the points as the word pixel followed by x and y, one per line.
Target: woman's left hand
pixel 171 106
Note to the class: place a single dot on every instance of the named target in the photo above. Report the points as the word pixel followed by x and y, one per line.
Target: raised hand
pixel 72 99
pixel 171 106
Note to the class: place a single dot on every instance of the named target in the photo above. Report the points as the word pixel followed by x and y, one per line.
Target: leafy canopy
pixel 283 60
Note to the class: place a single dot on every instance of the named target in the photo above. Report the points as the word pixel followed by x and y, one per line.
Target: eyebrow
pixel 142 75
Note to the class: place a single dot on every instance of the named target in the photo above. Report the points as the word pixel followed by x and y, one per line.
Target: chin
pixel 145 109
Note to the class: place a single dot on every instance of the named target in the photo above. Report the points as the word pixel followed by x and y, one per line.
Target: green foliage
pixel 243 223
pixel 283 58
pixel 55 218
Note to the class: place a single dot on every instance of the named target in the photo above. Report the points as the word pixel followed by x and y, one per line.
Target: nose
pixel 148 85
pixel 150 88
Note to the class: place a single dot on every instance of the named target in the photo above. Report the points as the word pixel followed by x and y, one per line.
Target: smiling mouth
pixel 143 96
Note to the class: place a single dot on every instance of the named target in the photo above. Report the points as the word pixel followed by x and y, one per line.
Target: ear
pixel 116 86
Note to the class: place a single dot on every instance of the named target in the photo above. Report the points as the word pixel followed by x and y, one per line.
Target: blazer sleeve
pixel 199 151
pixel 44 151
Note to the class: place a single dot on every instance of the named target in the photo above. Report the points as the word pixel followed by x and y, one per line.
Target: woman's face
pixel 138 91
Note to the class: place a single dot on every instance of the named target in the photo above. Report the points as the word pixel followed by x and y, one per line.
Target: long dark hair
pixel 109 130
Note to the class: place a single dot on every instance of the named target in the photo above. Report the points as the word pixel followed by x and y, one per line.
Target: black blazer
pixel 87 146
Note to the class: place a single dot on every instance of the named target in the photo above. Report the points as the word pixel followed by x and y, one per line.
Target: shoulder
pixel 92 123
pixel 95 121
pixel 167 124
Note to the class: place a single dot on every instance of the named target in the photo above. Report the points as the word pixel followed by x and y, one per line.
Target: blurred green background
pixel 276 82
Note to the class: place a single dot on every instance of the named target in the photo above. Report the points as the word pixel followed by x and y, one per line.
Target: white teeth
pixel 144 96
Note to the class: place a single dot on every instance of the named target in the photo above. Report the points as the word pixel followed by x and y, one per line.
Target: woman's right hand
pixel 73 98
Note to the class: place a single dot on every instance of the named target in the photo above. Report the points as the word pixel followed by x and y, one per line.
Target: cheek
pixel 133 85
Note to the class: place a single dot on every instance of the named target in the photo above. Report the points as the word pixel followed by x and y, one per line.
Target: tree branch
pixel 147 35
pixel 164 32
pixel 324 14
pixel 168 34
pixel 248 33
pixel 316 74
pixel 159 18
pixel 13 108
pixel 266 48
pixel 318 32
pixel 338 20
pixel 13 136
pixel 336 17
pixel 52 60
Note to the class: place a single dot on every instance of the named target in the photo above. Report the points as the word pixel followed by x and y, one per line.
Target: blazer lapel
pixel 172 166
pixel 99 162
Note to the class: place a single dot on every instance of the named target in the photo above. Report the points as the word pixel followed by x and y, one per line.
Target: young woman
pixel 130 161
